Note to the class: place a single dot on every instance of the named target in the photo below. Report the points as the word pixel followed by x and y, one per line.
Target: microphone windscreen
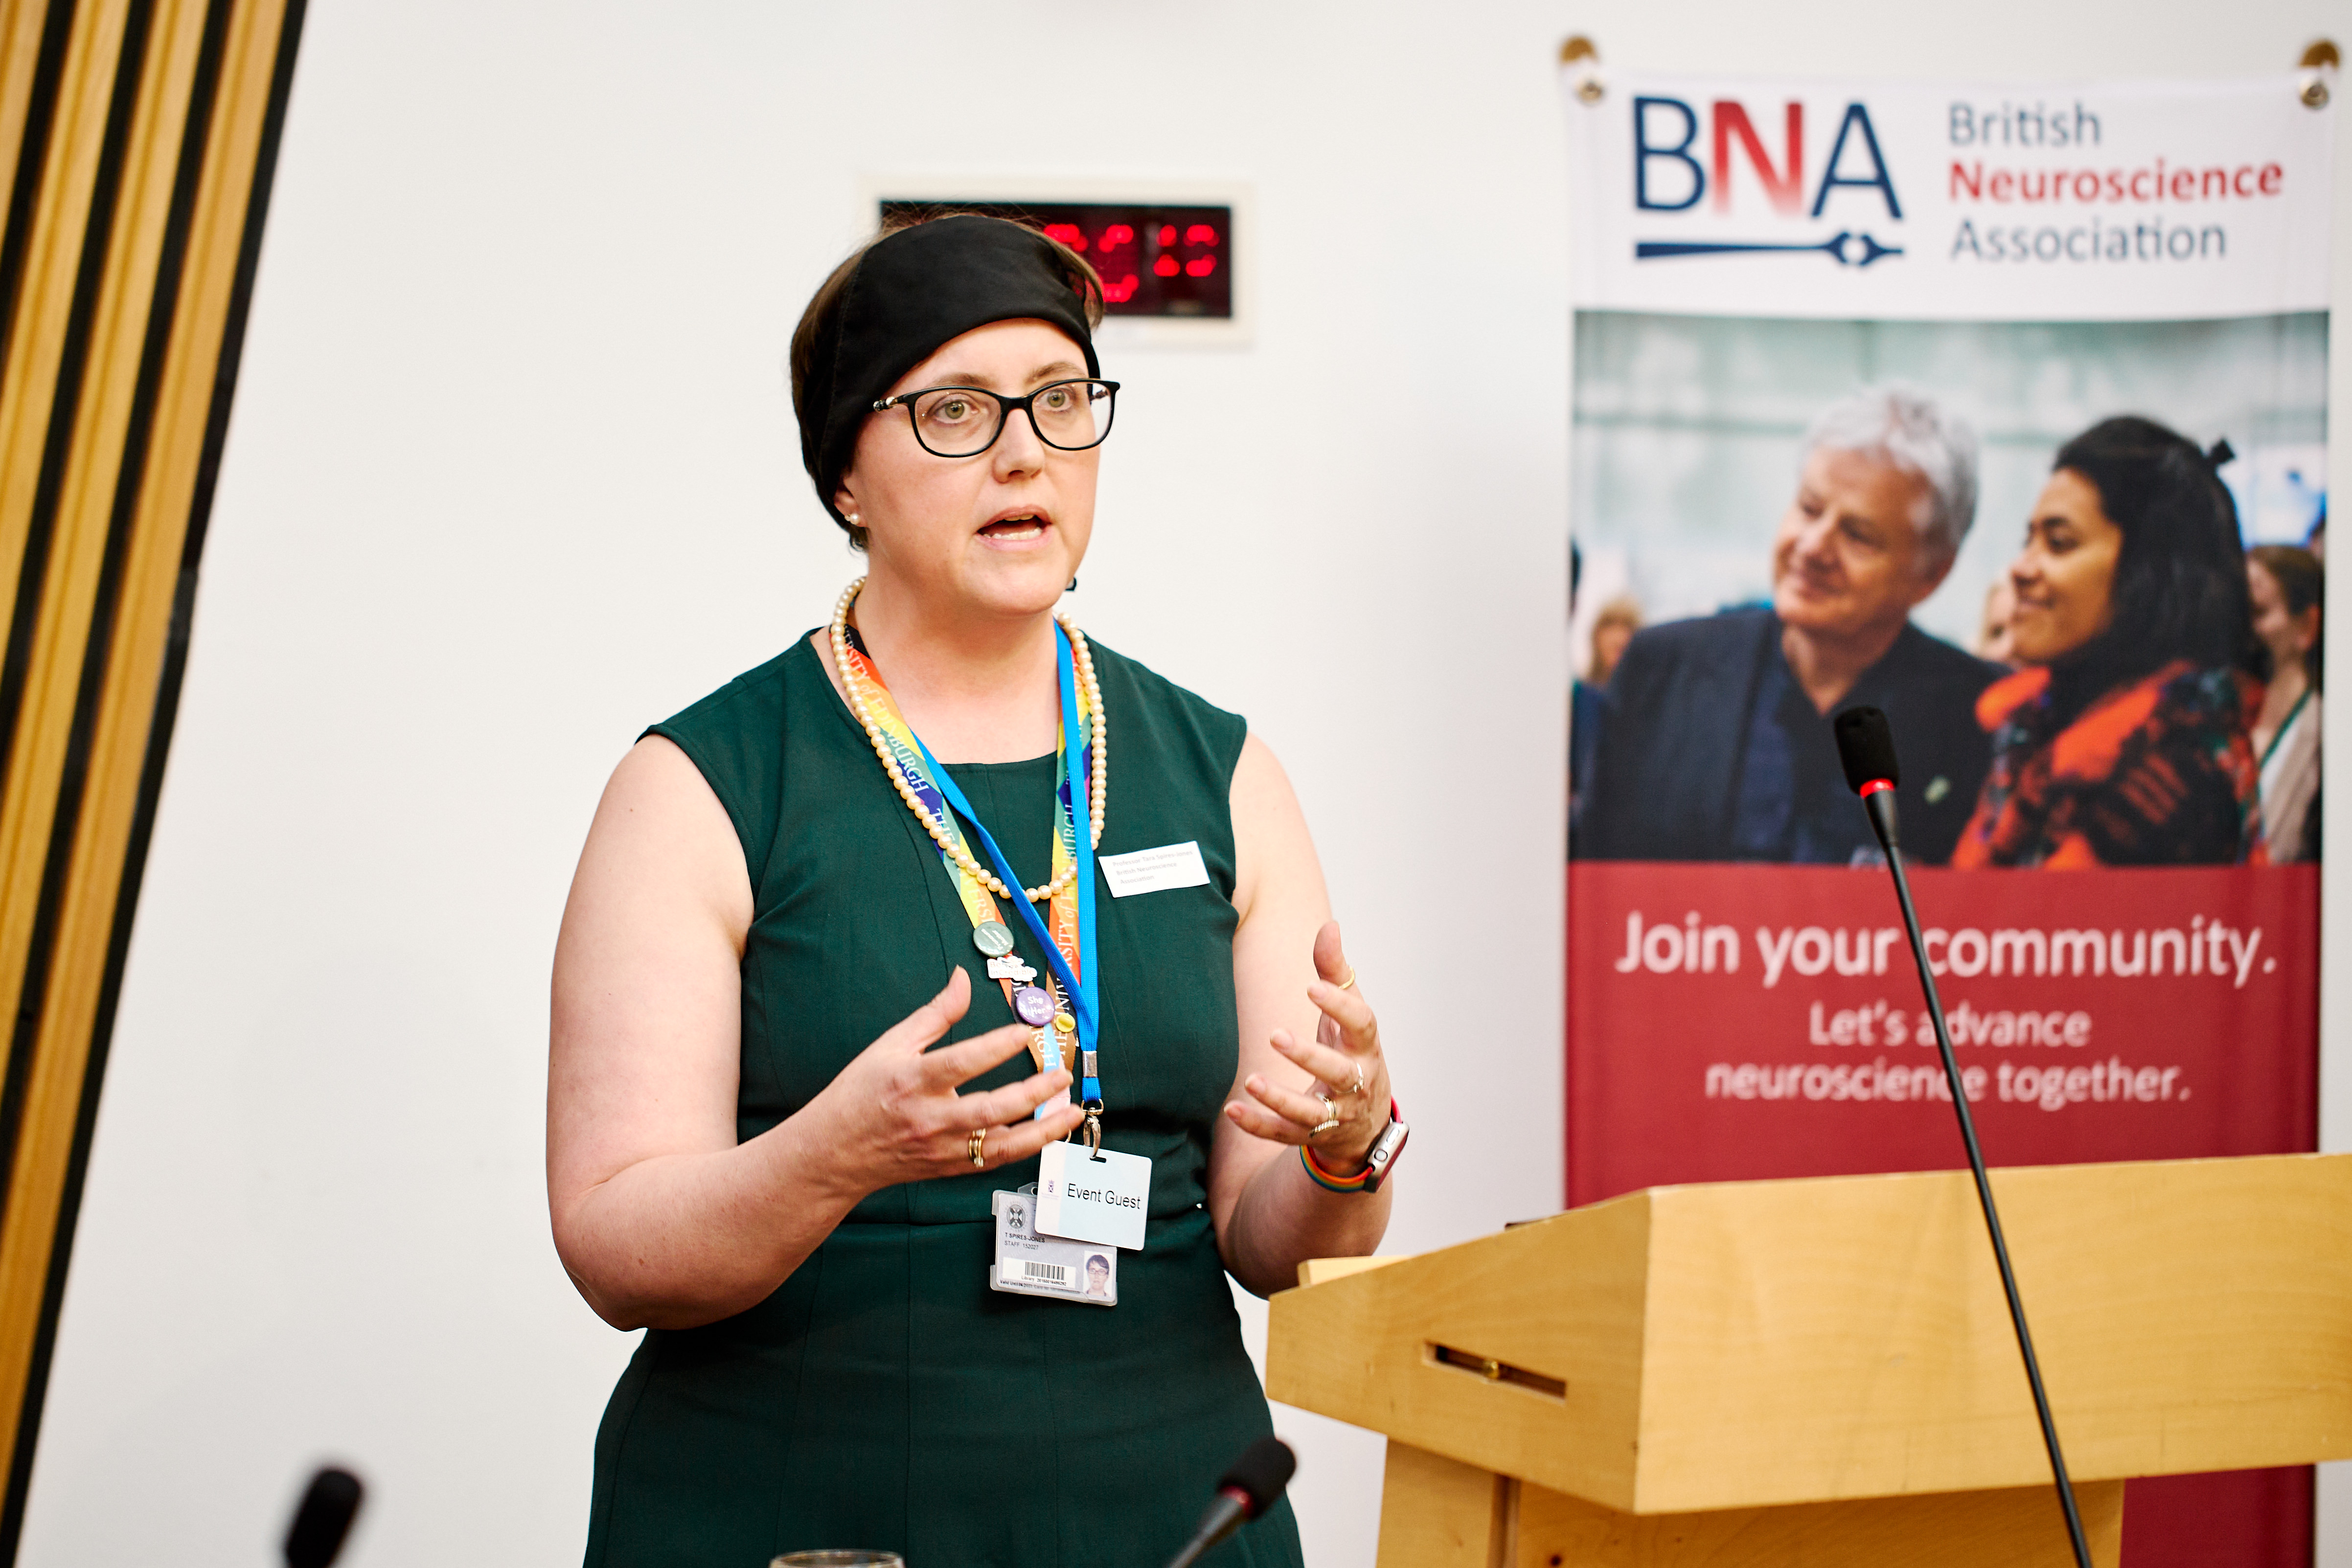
pixel 1260 1473
pixel 1865 746
pixel 316 1536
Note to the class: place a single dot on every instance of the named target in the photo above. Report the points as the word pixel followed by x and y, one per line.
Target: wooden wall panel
pixel 156 125
pixel 57 222
pixel 22 28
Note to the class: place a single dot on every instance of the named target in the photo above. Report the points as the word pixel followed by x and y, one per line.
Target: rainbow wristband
pixel 1330 1183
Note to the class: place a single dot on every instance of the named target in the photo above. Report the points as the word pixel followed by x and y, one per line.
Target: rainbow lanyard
pixel 1070 947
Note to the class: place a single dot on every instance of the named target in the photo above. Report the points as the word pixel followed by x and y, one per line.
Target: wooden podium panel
pixel 1438 1513
pixel 1754 1345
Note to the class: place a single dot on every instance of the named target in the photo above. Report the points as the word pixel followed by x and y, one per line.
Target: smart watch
pixel 1378 1161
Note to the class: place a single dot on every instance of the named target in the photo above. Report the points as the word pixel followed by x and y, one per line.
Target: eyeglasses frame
pixel 1006 407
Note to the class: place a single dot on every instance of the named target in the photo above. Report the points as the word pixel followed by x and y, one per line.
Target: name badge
pixel 1028 1264
pixel 1100 1197
pixel 1154 871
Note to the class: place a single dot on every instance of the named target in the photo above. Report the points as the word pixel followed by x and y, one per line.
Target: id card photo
pixel 1033 1265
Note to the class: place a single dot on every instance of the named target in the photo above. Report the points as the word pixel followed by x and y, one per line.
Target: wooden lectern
pixel 1822 1372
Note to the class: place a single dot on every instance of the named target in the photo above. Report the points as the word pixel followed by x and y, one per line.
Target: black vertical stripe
pixel 202 103
pixel 240 300
pixel 32 152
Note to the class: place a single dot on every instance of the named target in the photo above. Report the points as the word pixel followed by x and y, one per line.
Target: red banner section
pixel 1729 1023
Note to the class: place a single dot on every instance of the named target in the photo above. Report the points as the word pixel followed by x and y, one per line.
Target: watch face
pixel 1384 1154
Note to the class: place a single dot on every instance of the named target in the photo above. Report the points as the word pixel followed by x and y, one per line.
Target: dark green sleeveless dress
pixel 884 1396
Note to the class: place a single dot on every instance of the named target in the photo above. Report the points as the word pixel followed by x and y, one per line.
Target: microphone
pixel 329 1505
pixel 1248 1489
pixel 1866 746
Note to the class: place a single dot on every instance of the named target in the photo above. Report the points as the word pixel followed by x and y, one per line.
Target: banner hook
pixel 1581 60
pixel 2317 76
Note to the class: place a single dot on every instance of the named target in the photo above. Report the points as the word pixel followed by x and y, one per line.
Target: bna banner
pixel 2001 407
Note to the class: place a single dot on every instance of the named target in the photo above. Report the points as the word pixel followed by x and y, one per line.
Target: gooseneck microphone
pixel 1866 746
pixel 1252 1486
pixel 316 1537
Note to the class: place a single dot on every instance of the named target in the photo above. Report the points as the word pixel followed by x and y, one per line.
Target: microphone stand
pixel 1880 803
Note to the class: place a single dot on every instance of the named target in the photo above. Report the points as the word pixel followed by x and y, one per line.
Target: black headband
pixel 912 291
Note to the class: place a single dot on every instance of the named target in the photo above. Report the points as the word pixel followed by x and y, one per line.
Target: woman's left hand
pixel 1351 1075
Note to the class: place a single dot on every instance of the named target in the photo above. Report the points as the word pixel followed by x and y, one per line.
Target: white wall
pixel 513 474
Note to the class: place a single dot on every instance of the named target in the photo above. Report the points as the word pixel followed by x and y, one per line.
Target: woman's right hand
pixel 893 1115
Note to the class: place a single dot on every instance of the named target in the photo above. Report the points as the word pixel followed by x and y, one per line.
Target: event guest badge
pixel 1099 1197
pixel 1154 871
pixel 1029 1264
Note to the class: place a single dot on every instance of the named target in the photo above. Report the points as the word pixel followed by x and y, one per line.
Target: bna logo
pixel 1682 158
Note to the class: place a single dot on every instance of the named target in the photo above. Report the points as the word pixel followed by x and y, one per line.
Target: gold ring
pixel 1330 1117
pixel 977 1146
pixel 1349 983
pixel 1358 1086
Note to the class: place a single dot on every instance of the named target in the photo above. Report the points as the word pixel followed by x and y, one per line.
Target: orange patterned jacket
pixel 2156 772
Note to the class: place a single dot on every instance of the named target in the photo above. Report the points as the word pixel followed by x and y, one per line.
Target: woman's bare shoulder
pixel 1272 846
pixel 661 838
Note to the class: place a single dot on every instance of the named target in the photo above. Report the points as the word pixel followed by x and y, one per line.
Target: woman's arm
pixel 661 1217
pixel 1300 1031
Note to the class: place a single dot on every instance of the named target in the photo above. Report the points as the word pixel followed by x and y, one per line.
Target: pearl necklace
pixel 1098 784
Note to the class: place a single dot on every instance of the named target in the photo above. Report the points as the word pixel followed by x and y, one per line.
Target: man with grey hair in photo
pixel 1715 745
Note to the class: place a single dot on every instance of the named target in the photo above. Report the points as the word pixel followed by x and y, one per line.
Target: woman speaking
pixel 2122 741
pixel 862 1072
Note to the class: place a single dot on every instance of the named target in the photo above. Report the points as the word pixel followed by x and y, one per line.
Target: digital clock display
pixel 1155 260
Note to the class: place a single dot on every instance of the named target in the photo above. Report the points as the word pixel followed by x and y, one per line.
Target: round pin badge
pixel 992 938
pixel 1033 1007
pixel 1066 1023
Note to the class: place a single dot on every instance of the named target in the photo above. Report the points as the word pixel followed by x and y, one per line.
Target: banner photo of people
pixel 2002 408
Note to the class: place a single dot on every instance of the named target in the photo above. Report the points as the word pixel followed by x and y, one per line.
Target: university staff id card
pixel 1099 1196
pixel 1028 1264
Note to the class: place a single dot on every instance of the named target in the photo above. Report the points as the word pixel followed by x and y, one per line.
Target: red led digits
pixel 1197 235
pixel 1119 287
pixel 1154 260
pixel 1188 254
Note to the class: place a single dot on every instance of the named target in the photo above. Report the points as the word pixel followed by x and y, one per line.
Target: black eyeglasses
pixel 964 421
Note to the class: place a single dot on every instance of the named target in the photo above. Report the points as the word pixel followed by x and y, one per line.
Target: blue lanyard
pixel 1081 992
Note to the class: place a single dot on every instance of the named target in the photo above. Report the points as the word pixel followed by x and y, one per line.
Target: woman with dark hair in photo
pixel 2122 741
pixel 2288 586
pixel 838 978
